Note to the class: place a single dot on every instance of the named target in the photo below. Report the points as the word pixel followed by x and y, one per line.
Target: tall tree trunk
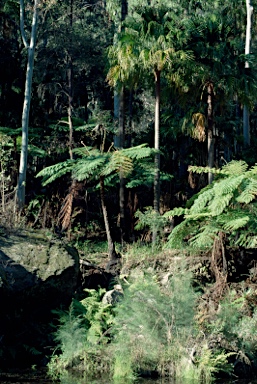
pixel 70 84
pixel 210 137
pixel 122 180
pixel 124 12
pixel 157 159
pixel 27 99
pixel 246 118
pixel 111 247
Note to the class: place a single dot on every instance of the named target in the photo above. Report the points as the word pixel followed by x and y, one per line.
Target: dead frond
pixel 199 121
pixel 65 214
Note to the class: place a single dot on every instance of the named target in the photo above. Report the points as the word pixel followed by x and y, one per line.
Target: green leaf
pixel 54 172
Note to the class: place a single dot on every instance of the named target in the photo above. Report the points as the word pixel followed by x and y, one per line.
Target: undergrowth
pixel 151 331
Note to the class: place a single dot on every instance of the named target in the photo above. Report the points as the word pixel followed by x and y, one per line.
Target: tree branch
pixel 22 24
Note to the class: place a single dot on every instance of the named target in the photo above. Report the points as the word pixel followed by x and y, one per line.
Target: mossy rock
pixel 38 274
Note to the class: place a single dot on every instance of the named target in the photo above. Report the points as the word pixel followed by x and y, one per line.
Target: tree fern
pixel 226 206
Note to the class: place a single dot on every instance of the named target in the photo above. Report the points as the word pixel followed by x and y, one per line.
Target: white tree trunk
pixel 27 98
pixel 246 120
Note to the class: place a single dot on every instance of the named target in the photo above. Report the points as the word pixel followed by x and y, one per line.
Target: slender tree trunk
pixel 111 248
pixel 27 99
pixel 157 159
pixel 210 138
pixel 70 84
pixel 246 118
pixel 122 180
pixel 124 12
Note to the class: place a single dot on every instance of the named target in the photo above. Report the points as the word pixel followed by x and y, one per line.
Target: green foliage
pixel 228 205
pixel 55 171
pixel 93 163
pixel 99 316
pixel 149 219
pixel 228 316
pixel 154 325
pixel 82 332
pixel 245 330
pixel 209 363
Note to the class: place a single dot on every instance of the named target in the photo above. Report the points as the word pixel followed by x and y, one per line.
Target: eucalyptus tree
pixel 30 47
pixel 246 122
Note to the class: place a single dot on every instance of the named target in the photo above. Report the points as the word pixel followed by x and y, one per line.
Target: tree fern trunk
pixel 157 147
pixel 111 248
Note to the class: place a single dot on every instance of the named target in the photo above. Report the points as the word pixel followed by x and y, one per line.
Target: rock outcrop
pixel 37 275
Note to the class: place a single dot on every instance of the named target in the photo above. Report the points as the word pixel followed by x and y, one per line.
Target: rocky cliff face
pixel 37 275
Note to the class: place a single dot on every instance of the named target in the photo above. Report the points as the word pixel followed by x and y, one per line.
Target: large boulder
pixel 38 274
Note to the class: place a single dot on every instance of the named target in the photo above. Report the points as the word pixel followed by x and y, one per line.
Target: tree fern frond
pixel 235 168
pixel 55 171
pixel 86 151
pixel 249 193
pixel 176 239
pixel 205 237
pixel 197 169
pixel 228 185
pixel 219 203
pixel 192 200
pixel 247 240
pixel 139 152
pixel 179 211
pixel 252 171
pixel 197 216
pixel 87 167
pixel 118 162
pixel 235 224
pixel 64 216
pixel 202 201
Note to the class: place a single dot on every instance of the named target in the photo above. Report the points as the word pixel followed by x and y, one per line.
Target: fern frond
pixel 252 171
pixel 118 162
pixel 237 223
pixel 235 168
pixel 55 171
pixel 205 237
pixel 219 204
pixel 247 240
pixel 179 211
pixel 176 239
pixel 86 151
pixel 228 185
pixel 202 201
pixel 87 167
pixel 249 193
pixel 64 216
pixel 139 152
pixel 197 169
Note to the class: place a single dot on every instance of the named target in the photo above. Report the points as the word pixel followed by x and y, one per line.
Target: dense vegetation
pixel 141 132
